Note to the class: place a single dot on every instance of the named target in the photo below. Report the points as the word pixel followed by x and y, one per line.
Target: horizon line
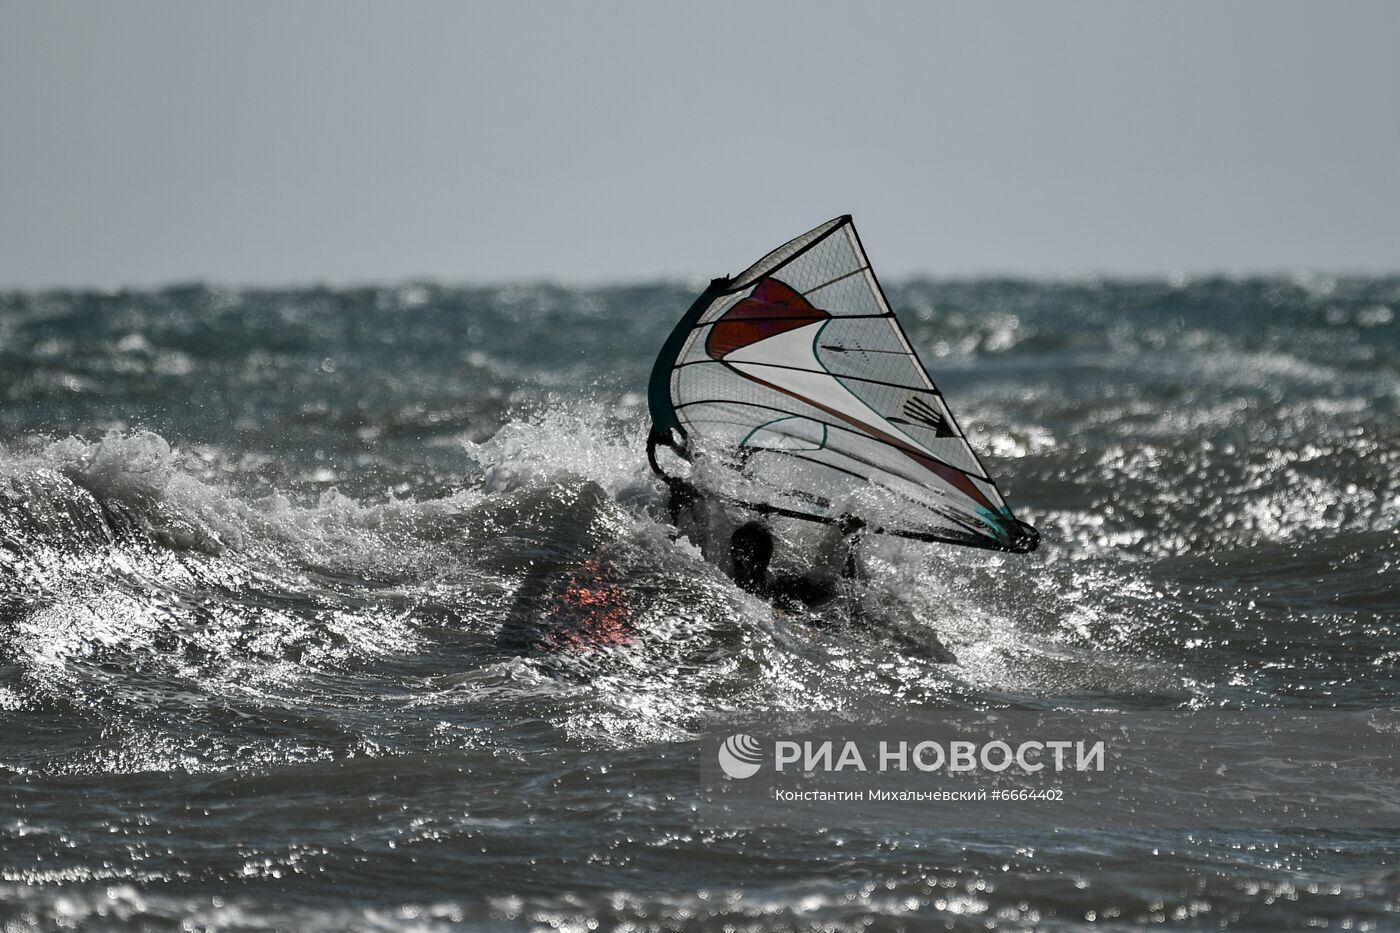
pixel 348 283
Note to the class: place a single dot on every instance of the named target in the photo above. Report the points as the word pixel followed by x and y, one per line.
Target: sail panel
pixel 797 375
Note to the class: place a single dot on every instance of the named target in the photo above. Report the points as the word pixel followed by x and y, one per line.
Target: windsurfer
pixel 751 550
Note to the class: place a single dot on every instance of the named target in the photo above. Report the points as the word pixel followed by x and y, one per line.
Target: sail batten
pixel 798 363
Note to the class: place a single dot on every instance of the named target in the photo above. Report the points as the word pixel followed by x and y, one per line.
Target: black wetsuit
pixel 793 592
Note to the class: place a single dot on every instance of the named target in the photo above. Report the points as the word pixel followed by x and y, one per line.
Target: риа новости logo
pixel 740 756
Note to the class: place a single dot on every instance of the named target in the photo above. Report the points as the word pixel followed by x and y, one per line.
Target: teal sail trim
pixel 663 412
pixel 768 424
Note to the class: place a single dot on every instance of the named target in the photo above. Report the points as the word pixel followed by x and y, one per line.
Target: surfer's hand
pixel 849 524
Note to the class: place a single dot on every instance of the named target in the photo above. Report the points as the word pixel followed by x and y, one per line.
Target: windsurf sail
pixel 798 375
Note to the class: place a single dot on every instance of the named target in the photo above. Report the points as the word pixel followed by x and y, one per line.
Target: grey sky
pixel 266 143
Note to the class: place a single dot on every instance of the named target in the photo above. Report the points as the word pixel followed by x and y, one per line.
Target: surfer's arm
pixel 836 561
pixel 836 556
pixel 681 497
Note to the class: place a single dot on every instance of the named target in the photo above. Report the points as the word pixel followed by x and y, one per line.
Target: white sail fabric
pixel 797 373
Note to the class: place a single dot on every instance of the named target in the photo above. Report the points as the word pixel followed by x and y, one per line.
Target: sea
pixel 266 555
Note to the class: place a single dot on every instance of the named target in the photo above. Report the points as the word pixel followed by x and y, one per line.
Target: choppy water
pixel 258 550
